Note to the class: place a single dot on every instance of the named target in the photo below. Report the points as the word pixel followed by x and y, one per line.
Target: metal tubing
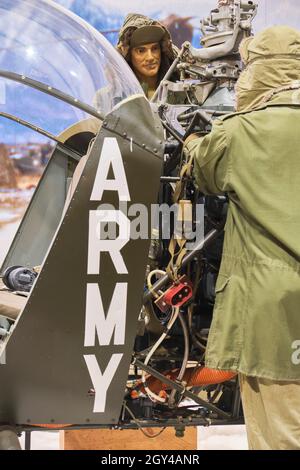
pixel 181 389
pixel 169 72
pixel 27 440
pixel 173 134
pixel 49 90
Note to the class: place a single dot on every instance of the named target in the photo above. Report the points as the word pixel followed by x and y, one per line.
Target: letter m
pixel 105 325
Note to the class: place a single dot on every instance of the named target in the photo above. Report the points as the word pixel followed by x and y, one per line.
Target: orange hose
pixel 52 426
pixel 205 376
pixel 196 377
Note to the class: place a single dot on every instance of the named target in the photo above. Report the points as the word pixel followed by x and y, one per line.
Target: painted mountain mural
pixel 107 15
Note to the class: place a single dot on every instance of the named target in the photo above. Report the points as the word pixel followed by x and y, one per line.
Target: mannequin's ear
pixel 244 49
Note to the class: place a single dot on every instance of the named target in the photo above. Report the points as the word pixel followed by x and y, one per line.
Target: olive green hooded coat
pixel 254 157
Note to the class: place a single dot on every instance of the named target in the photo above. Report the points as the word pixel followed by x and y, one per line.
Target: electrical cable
pixel 150 436
pixel 151 395
pixel 149 283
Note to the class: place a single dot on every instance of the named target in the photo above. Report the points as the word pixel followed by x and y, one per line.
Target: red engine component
pixel 177 295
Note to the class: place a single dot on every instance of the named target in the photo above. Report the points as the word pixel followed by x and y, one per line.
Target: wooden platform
pixel 127 440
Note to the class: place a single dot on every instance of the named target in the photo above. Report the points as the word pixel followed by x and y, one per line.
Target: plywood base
pixel 127 440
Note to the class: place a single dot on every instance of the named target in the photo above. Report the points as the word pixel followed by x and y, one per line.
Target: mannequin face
pixel 146 60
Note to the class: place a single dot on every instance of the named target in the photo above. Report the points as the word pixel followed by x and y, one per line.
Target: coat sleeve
pixel 211 166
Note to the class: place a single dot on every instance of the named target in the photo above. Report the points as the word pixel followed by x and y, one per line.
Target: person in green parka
pixel 147 46
pixel 254 157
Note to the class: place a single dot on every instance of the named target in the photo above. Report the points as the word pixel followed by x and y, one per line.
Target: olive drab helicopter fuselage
pixel 85 340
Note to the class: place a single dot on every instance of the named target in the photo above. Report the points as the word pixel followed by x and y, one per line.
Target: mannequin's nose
pixel 149 55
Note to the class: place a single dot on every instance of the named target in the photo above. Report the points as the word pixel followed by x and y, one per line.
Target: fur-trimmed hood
pixel 272 66
pixel 134 21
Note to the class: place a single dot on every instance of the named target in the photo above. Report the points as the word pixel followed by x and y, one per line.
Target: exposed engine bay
pixel 168 383
pixel 168 364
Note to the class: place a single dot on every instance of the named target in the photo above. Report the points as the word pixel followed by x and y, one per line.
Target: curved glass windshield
pixel 45 42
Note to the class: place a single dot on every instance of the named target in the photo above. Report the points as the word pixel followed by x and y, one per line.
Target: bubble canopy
pixel 55 69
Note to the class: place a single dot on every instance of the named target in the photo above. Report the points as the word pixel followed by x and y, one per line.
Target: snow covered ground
pixel 7 233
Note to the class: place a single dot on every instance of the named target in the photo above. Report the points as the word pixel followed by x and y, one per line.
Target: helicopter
pixel 102 325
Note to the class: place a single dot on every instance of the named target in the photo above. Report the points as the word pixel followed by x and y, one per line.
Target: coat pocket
pixel 221 283
pixel 220 291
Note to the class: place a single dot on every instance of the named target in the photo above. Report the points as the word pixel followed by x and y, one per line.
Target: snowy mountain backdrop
pixel 107 15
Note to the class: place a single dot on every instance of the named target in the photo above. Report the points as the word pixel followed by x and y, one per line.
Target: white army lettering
pixel 111 324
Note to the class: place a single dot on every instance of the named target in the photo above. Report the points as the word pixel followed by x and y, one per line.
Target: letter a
pixel 110 156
